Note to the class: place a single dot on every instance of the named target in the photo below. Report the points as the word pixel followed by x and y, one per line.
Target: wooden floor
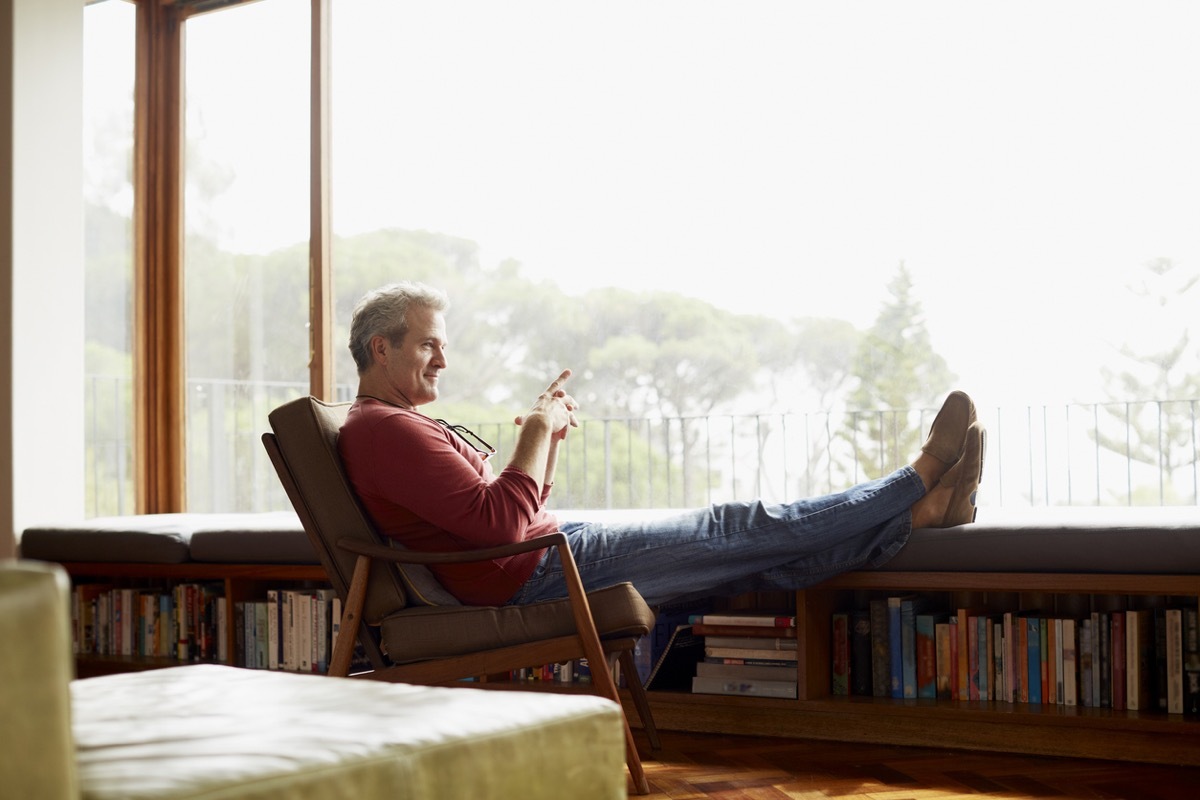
pixel 698 766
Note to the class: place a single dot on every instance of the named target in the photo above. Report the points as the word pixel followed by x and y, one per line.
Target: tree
pixel 1157 375
pixel 897 370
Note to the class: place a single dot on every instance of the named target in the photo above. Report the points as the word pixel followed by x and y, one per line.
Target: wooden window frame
pixel 159 364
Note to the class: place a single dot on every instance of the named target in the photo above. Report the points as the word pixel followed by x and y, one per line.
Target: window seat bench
pixel 1088 555
pixel 1143 541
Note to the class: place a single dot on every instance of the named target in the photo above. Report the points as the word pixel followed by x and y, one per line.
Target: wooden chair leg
pixel 602 680
pixel 638 693
pixel 343 651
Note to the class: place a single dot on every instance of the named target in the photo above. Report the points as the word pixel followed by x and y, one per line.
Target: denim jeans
pixel 733 548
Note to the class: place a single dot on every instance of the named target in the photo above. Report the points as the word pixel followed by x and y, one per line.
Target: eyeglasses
pixel 469 436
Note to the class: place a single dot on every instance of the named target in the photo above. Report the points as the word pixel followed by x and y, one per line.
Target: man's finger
pixel 557 383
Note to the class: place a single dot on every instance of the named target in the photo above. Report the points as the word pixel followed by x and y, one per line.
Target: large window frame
pixel 159 379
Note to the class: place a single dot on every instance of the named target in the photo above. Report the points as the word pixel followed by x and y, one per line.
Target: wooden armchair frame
pixel 373 559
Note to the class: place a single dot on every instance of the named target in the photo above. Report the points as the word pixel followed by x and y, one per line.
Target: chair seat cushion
pixel 223 733
pixel 420 633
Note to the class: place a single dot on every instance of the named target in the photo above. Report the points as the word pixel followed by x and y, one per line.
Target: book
pixel 273 640
pixel 1057 633
pixel 909 608
pixel 952 666
pixel 1084 656
pixel 1070 693
pixel 713 669
pixel 1160 658
pixel 1191 661
pixel 997 646
pixel 926 653
pixel 1139 652
pixel 756 620
pixel 751 631
pixel 1008 658
pixel 324 602
pixel 757 662
pixel 1102 633
pixel 880 660
pixel 751 643
pixel 1174 637
pixel 750 653
pixel 942 638
pixel 860 652
pixel 1117 658
pixel 743 686
pixel 1033 660
pixel 965 643
pixel 840 651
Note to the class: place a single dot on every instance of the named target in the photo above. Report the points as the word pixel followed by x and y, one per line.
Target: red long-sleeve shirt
pixel 403 465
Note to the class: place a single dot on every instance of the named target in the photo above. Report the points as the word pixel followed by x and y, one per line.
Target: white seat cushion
pixel 207 731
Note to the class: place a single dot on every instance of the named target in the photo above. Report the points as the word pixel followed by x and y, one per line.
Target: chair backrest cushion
pixel 306 431
pixel 37 749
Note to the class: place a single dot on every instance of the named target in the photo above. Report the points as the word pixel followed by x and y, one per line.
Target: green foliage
pixel 897 369
pixel 1159 363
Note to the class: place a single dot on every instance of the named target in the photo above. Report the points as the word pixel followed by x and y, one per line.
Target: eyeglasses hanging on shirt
pixel 469 436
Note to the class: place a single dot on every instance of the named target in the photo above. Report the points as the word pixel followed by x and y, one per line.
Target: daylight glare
pixel 1030 166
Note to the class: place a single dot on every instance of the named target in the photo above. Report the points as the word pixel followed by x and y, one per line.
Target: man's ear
pixel 379 349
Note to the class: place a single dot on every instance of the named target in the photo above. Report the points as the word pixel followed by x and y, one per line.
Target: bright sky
pixel 1024 159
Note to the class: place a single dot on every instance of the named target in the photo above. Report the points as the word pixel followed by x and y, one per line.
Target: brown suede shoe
pixel 965 477
pixel 947 435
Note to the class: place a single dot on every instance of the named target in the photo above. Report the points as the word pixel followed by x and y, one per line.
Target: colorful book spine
pixel 840 671
pixel 880 660
pixel 1033 672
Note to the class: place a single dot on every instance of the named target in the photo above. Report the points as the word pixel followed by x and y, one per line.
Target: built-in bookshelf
pixel 818 710
pixel 822 711
pixel 128 616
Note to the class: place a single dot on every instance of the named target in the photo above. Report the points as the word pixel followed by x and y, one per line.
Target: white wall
pixel 41 264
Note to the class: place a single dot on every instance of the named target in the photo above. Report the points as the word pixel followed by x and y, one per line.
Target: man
pixel 431 487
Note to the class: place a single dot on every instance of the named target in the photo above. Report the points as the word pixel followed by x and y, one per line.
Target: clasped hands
pixel 556 406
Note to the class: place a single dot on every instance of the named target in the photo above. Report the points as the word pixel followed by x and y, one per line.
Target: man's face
pixel 412 367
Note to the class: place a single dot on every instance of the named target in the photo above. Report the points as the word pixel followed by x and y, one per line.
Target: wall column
pixel 41 265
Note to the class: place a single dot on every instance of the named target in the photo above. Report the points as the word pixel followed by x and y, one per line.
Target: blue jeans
pixel 733 548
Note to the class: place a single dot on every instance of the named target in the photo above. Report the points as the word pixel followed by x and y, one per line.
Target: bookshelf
pixel 1148 736
pixel 238 583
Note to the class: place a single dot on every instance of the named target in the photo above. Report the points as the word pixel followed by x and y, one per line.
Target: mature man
pixel 431 486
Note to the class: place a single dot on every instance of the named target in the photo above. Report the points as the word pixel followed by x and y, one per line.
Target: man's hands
pixel 556 406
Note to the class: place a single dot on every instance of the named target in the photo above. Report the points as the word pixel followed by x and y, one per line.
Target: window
pixel 246 249
pixel 768 237
pixel 108 258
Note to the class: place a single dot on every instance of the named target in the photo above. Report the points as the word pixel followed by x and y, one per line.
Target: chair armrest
pixel 399 556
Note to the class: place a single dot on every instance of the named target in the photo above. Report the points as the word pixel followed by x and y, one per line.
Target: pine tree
pixel 1156 378
pixel 897 372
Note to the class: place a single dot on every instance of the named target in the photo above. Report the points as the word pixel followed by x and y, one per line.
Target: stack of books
pixel 751 654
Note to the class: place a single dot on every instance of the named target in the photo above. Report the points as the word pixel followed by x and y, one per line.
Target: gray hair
pixel 384 312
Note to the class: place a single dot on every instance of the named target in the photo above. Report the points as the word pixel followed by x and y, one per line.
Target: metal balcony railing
pixel 1143 453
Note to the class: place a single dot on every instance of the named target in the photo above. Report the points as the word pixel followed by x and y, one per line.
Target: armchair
pixel 411 629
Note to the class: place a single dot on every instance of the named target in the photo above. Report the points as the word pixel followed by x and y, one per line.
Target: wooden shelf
pixel 1006 727
pixel 1000 727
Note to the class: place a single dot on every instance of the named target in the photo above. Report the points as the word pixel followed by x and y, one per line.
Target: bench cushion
pixel 210 731
pixel 1136 541
pixel 1157 540
pixel 259 538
